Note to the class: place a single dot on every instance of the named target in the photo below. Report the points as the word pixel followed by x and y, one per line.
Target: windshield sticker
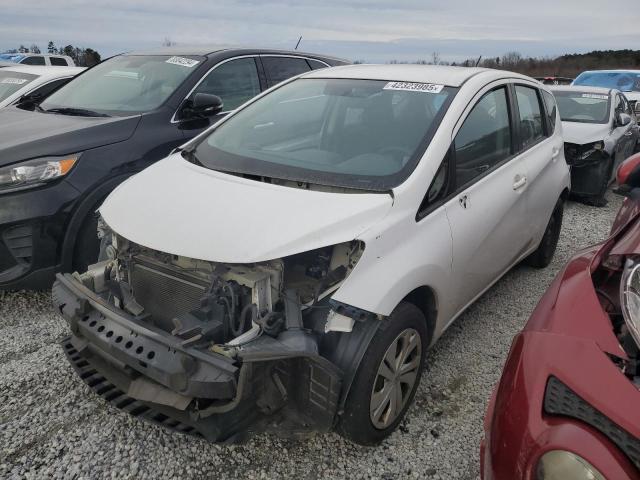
pixel 414 87
pixel 595 95
pixel 14 81
pixel 183 62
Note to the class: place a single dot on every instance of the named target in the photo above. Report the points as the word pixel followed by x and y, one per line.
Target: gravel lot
pixel 51 425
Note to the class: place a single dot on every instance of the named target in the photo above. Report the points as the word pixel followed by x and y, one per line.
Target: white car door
pixel 487 214
pixel 542 147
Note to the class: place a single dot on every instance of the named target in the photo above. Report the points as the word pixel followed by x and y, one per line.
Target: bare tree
pixel 167 42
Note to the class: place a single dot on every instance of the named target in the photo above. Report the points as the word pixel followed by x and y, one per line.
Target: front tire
pixel 387 378
pixel 543 255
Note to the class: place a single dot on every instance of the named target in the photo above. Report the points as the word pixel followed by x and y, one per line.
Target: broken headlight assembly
pixel 630 297
pixel 36 172
pixel 578 154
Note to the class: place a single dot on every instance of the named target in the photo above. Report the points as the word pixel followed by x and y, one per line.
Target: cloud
pixel 371 30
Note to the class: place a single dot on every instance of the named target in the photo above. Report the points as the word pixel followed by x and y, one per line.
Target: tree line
pixel 83 57
pixel 569 65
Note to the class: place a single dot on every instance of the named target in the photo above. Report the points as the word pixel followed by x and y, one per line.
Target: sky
pixel 367 30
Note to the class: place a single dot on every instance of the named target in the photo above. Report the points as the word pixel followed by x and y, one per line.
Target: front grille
pixel 19 241
pixel 163 293
pixel 561 400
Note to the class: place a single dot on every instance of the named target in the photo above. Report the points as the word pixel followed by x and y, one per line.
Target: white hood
pixel 581 133
pixel 184 209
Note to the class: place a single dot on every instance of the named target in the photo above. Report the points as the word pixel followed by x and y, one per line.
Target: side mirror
pixel 629 172
pixel 203 105
pixel 29 101
pixel 623 119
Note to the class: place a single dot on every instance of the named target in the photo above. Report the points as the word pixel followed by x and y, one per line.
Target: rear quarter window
pixel 59 62
pixel 552 111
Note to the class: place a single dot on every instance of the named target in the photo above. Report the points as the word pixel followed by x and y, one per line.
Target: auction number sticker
pixel 414 87
pixel 595 95
pixel 14 81
pixel 183 62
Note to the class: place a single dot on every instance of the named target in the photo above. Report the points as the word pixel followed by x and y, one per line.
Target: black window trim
pixel 68 78
pixel 282 55
pixel 545 137
pixel 425 209
pixel 549 130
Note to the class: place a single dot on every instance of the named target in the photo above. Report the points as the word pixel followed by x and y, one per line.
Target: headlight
pixel 590 149
pixel 34 172
pixel 630 298
pixel 561 465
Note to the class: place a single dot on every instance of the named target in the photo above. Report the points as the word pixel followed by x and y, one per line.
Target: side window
pixel 484 140
pixel 279 69
pixel 45 90
pixel 531 127
pixel 58 61
pixel 619 105
pixel 33 61
pixel 315 64
pixel 552 111
pixel 235 82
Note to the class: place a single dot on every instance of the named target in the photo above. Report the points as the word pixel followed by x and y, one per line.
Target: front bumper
pixel 32 230
pixel 570 338
pixel 271 385
pixel 590 177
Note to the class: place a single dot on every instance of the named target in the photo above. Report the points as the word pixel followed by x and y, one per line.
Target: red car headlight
pixel 630 298
pixel 562 465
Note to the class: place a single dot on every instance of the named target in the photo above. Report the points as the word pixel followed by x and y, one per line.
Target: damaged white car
pixel 287 270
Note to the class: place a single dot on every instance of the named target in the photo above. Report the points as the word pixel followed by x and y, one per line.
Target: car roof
pixel 52 72
pixel 625 70
pixel 581 88
pixel 434 74
pixel 206 50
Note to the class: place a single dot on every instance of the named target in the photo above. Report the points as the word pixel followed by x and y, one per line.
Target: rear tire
pixel 387 378
pixel 543 255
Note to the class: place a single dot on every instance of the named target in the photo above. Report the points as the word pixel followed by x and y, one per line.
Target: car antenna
pixel 478 62
pixel 298 44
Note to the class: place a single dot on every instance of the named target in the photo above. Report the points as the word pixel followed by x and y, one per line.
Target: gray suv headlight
pixel 36 172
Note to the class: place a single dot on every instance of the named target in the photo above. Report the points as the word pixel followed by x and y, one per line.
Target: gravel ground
pixel 51 425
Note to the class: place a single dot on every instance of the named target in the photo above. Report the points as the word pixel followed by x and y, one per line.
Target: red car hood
pixel 571 306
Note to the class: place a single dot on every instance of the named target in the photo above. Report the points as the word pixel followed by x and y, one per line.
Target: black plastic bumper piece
pixel 101 330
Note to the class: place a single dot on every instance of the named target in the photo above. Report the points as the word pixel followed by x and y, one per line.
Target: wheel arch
pixel 425 299
pixel 89 202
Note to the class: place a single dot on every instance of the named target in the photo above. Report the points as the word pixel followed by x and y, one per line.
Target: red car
pixel 568 404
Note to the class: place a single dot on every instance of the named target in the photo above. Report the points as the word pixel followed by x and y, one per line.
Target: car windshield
pixel 364 134
pixel 11 82
pixel 124 85
pixel 583 107
pixel 623 81
pixel 11 57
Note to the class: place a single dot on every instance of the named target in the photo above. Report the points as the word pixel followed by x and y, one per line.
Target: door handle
pixel 555 153
pixel 519 182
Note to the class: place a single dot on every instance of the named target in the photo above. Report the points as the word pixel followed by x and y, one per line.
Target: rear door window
pixel 531 124
pixel 484 140
pixel 279 69
pixel 235 82
pixel 552 111
pixel 33 61
pixel 58 62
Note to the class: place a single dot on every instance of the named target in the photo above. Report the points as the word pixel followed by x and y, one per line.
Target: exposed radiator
pixel 163 293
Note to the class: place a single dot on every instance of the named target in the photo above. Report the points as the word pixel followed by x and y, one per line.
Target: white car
pixel 600 131
pixel 288 268
pixel 38 59
pixel 626 81
pixel 38 82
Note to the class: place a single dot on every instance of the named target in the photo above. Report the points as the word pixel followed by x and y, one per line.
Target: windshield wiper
pixel 79 112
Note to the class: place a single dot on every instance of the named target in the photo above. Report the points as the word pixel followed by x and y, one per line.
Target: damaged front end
pixel 212 349
pixel 590 167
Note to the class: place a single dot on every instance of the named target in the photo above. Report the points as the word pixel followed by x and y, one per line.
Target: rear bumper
pixel 148 373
